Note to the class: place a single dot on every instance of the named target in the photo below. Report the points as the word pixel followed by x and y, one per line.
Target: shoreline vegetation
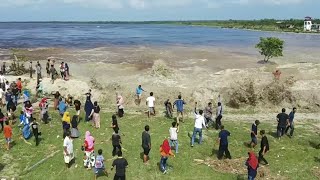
pixel 273 25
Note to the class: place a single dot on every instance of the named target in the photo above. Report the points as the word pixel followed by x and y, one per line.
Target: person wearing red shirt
pixel 19 85
pixel 89 159
pixel 7 131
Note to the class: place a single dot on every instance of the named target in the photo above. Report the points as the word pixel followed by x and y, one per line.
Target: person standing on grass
pixel 7 131
pixel 146 144
pixel 56 100
pixel 198 125
pixel 114 123
pixel 174 136
pixel 208 114
pixel 99 167
pixel 179 103
pixel 264 147
pixel 120 103
pixel 168 107
pixel 139 91
pixel 19 85
pixel 68 149
pixel 252 165
pixel 88 145
pixel 165 152
pixel 150 102
pixel 116 141
pixel 283 122
pixel 77 107
pixel 62 107
pixel 95 115
pixel 121 164
pixel 35 129
pixel 2 119
pixel 218 115
pixel 3 81
pixel 88 106
pixel 254 133
pixel 291 123
pixel 223 143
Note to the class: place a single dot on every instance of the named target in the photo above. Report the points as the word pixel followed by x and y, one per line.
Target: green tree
pixel 270 47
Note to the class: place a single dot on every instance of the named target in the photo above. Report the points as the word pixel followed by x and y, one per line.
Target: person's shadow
pixel 317 159
pixel 1 167
pixel 314 145
pixel 273 134
pixel 214 152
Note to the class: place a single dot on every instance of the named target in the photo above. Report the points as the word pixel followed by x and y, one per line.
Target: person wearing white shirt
pixel 2 81
pixel 219 115
pixel 68 149
pixel 174 136
pixel 198 125
pixel 151 103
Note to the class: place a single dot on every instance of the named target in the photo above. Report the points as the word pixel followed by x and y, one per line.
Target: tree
pixel 270 47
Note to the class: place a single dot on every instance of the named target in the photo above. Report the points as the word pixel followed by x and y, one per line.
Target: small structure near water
pixel 309 26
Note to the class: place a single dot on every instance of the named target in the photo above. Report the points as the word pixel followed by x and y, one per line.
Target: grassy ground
pixel 291 158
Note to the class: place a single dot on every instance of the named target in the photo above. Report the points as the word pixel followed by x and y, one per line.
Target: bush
pixel 160 69
pixel 243 93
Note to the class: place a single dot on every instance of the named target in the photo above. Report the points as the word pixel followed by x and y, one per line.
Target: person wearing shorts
pixel 7 131
pixel 99 167
pixel 139 91
pixel 150 102
pixel 146 144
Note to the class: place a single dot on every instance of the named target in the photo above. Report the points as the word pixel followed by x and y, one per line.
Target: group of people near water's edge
pixel 203 119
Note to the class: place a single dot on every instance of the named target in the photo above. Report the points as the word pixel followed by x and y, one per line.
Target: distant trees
pixel 270 47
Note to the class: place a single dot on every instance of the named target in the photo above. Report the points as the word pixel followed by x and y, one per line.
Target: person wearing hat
pixel 254 133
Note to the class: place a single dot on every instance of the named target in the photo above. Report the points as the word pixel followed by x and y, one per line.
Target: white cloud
pixel 146 4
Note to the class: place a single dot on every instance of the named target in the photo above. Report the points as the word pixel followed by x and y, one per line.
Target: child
pixel 174 136
pixel 7 131
pixel 35 129
pixel 252 164
pixel 99 165
pixel 165 152
pixel 116 141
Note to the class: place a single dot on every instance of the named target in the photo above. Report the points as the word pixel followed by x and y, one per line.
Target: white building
pixel 307 24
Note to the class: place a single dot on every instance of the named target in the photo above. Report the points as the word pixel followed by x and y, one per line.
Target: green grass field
pixel 289 158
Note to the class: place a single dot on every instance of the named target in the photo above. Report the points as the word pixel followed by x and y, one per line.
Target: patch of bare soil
pixel 236 166
pixel 316 172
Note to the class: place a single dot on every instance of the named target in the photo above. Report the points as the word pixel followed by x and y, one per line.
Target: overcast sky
pixel 137 10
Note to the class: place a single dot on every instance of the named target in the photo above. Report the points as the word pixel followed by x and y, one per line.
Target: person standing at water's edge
pixel 264 147
pixel 198 125
pixel 179 103
pixel 146 144
pixel 139 91
pixel 291 123
pixel 150 102
pixel 223 143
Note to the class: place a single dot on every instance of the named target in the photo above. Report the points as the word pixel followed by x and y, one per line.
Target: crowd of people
pixel 10 94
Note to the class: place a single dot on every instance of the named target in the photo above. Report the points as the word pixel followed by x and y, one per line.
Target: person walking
pixel 121 164
pixel 35 130
pixel 179 103
pixel 252 165
pixel 218 115
pixel 30 69
pixel 264 147
pixel 7 131
pixel 95 115
pixel 116 141
pixel 168 107
pixel 291 123
pixel 199 123
pixel 99 167
pixel 165 152
pixel 223 143
pixel 146 144
pixel 38 69
pixel 120 103
pixel 254 134
pixel 150 102
pixel 139 91
pixel 174 130
pixel 283 122
pixel 48 68
pixel 88 145
pixel 62 69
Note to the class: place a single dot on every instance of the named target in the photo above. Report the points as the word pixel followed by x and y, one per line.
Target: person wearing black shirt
pixel 223 143
pixel 254 133
pixel 114 123
pixel 15 92
pixel 146 144
pixel 2 119
pixel 264 147
pixel 35 129
pixel 121 164
pixel 116 141
pixel 283 122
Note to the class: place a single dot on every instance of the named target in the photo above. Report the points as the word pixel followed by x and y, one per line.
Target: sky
pixel 154 10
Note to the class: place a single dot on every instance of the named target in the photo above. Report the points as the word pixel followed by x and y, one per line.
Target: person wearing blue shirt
pixel 179 103
pixel 254 133
pixel 291 123
pixel 139 91
pixel 223 143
